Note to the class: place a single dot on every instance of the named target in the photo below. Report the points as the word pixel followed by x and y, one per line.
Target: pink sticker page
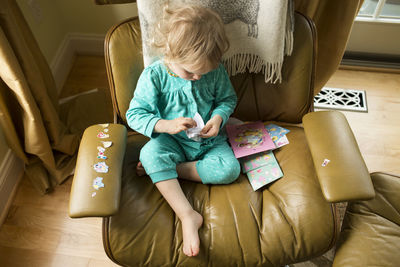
pixel 248 139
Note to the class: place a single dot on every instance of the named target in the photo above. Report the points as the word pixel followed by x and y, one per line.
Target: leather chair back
pixel 287 101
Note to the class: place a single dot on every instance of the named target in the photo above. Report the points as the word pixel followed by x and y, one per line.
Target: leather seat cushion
pixel 289 221
pixel 371 229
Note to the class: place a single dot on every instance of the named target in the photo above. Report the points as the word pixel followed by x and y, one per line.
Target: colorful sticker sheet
pixel 261 169
pixel 275 130
pixel 278 134
pixel 264 175
pixel 248 139
pixel 255 161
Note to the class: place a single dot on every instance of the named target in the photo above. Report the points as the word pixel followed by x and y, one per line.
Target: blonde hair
pixel 191 35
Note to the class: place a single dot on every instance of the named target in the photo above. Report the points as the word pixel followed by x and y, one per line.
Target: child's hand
pixel 211 128
pixel 174 126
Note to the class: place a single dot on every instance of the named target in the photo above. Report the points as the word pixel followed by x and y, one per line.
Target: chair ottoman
pixel 371 229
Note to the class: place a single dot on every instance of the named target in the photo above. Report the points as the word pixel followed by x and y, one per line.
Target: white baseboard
pixel 12 169
pixel 72 45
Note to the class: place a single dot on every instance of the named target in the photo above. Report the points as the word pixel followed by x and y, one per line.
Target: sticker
pixel 100 167
pixel 104 125
pixel 101 149
pixel 98 183
pixel 106 143
pixel 326 161
pixel 195 132
pixel 106 130
pixel 102 135
pixel 101 155
pixel 93 194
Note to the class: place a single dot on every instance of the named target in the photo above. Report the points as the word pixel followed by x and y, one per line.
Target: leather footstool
pixel 371 229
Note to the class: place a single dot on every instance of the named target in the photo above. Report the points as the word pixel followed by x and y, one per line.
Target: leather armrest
pixel 85 199
pixel 344 176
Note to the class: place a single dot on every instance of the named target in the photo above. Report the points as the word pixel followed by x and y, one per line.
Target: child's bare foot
pixel 190 228
pixel 140 171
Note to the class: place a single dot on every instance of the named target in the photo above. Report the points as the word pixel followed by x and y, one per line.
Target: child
pixel 188 79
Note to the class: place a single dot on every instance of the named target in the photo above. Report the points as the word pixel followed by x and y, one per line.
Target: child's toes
pixel 187 250
pixel 195 250
pixel 191 250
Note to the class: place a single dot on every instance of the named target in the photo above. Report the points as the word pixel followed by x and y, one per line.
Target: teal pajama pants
pixel 216 164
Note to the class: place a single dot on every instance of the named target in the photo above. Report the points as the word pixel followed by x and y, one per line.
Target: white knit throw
pixel 260 32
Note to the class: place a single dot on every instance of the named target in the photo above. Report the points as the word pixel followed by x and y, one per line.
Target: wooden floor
pixel 378 131
pixel 88 72
pixel 38 231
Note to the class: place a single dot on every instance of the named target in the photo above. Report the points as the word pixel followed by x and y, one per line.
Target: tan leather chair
pixel 291 220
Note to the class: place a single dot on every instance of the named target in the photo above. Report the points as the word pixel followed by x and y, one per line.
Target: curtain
pixel 333 20
pixel 28 104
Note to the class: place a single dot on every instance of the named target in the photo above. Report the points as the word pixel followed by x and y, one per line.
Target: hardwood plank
pixel 88 72
pixel 18 257
pixel 27 195
pixel 378 131
pixel 43 233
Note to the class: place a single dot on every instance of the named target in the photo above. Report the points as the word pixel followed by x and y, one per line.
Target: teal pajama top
pixel 159 95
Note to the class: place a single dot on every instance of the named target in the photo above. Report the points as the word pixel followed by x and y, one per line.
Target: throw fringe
pixel 272 71
pixel 241 63
pixel 289 29
pixel 288 42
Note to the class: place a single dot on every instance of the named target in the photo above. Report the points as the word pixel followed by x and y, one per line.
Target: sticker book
pixel 247 139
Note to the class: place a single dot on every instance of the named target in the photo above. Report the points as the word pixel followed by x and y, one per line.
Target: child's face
pixel 188 72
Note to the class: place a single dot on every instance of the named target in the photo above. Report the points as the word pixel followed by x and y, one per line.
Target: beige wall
pixel 51 20
pixel 48 28
pixel 376 38
pixel 84 16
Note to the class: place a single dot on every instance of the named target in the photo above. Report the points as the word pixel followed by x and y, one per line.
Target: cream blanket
pixel 260 32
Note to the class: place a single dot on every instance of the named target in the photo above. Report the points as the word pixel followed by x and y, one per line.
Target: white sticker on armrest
pixel 102 135
pixel 100 167
pixel 98 183
pixel 106 143
pixel 326 161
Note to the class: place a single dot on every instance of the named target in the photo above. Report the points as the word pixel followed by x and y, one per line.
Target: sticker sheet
pixel 256 161
pixel 261 169
pixel 264 175
pixel 248 139
pixel 276 131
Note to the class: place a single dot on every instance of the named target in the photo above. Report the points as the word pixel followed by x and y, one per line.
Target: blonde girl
pixel 189 79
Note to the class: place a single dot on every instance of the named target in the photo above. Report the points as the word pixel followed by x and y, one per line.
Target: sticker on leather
pixel 100 155
pixel 106 143
pixel 100 167
pixel 326 161
pixel 98 183
pixel 102 135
